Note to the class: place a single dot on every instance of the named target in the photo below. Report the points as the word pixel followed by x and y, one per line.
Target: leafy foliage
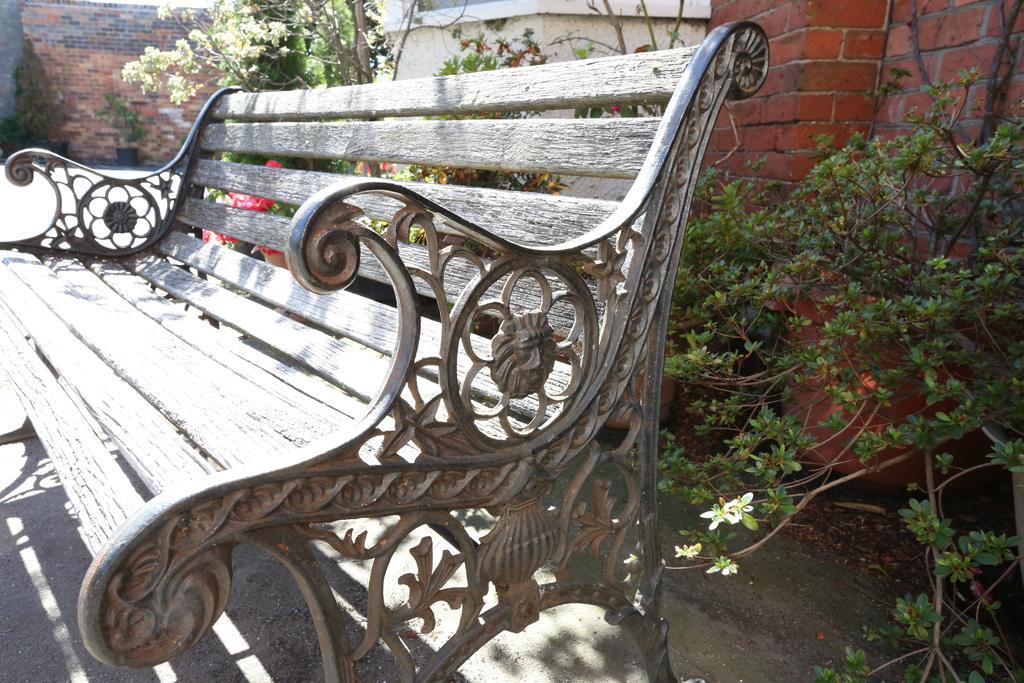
pixel 279 45
pixel 888 286
pixel 121 116
pixel 37 106
pixel 11 135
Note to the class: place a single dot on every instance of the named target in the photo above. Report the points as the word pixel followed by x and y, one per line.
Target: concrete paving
pixel 790 607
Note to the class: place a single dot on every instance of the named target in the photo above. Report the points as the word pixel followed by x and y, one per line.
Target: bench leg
pixel 589 524
pixel 291 548
pixel 651 630
pixel 25 431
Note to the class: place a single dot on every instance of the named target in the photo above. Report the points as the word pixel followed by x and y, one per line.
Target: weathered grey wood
pixel 351 366
pixel 369 322
pixel 152 445
pixel 241 355
pixel 610 148
pixel 98 489
pixel 525 217
pixel 252 226
pixel 272 231
pixel 366 321
pixel 234 420
pixel 647 78
pixel 221 346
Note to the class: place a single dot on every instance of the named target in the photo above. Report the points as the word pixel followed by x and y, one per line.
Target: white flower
pixel 734 509
pixel 729 511
pixel 688 551
pixel 716 514
pixel 724 565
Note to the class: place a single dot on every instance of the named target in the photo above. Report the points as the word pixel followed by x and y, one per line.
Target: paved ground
pixel 789 608
pixel 785 611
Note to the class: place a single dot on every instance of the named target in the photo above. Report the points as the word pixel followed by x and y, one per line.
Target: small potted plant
pixel 128 123
pixel 38 109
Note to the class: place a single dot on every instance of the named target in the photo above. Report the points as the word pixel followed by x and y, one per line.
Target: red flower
pixel 244 201
pixel 217 238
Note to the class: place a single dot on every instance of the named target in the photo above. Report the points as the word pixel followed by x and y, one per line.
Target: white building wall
pixel 427 47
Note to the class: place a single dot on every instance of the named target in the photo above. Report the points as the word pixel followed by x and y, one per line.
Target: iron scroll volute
pixel 750 61
pixel 323 254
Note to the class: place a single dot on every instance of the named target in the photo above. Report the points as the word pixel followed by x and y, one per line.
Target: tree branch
pixel 997 84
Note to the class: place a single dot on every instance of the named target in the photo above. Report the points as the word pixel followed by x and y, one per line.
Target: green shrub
pixel 891 276
pixel 11 135
pixel 38 109
pixel 122 117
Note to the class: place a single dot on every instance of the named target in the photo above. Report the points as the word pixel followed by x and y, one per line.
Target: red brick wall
pixel 825 58
pixel 83 46
pixel 952 35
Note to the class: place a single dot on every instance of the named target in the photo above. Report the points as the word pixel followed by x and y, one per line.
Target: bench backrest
pixel 385 122
pixel 588 292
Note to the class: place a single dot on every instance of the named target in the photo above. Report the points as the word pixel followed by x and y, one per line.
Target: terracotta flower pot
pixel 812 405
pixel 620 419
pixel 275 258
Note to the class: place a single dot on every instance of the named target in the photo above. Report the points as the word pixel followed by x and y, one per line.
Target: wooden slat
pixel 646 78
pixel 525 217
pixel 362 319
pixel 349 365
pixel 234 420
pixel 253 350
pixel 272 231
pixel 368 322
pixel 222 347
pixel 155 449
pixel 100 492
pixel 610 148
pixel 251 226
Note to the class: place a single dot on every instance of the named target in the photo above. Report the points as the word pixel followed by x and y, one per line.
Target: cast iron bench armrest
pixel 582 340
pixel 109 215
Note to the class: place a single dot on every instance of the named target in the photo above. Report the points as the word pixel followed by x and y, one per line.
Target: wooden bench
pixel 193 398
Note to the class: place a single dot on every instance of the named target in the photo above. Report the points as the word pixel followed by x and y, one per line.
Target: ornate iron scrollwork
pixel 104 215
pixel 160 583
pixel 523 353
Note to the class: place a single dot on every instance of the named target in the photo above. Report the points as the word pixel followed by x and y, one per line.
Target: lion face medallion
pixel 524 353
